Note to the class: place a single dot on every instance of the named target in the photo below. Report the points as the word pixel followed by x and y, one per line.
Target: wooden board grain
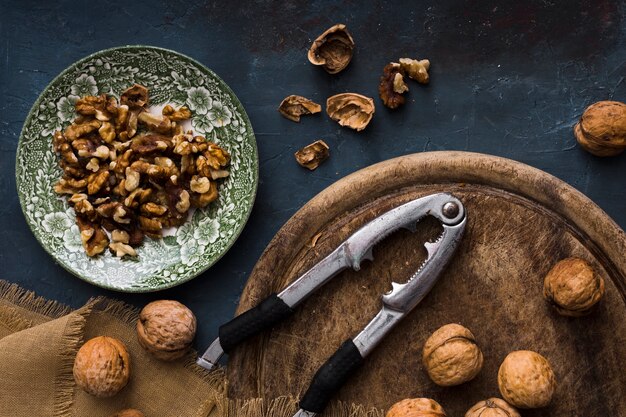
pixel 520 222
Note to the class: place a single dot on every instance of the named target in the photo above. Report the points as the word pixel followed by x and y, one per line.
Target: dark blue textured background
pixel 508 78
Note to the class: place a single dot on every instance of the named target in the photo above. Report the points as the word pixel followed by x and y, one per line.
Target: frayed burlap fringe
pixel 64 381
pixel 287 406
pixel 11 320
pixel 120 310
pixel 31 302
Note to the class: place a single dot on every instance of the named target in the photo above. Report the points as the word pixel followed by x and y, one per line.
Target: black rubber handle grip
pixel 331 376
pixel 269 312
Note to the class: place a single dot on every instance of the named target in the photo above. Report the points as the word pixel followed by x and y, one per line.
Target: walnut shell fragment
pixel 392 86
pixel 493 407
pixel 573 287
pixel 416 407
pixel 416 69
pixel 601 130
pixel 333 49
pixel 292 107
pixel 526 379
pixel 129 412
pixel 311 156
pixel 451 356
pixel 351 110
pixel 102 366
pixel 166 329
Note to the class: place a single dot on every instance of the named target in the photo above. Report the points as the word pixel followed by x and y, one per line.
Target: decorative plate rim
pixel 237 232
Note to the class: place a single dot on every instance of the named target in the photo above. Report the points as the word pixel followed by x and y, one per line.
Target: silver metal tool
pixel 396 304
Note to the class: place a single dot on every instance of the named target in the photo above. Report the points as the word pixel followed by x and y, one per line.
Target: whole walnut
pixel 602 128
pixel 451 356
pixel 102 366
pixel 166 329
pixel 526 379
pixel 493 407
pixel 129 412
pixel 573 287
pixel 416 407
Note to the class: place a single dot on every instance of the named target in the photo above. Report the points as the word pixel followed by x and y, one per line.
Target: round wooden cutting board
pixel 520 222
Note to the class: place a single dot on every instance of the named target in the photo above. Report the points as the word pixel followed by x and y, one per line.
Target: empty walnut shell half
pixel 311 156
pixel 166 329
pixel 351 110
pixel 451 356
pixel 601 130
pixel 333 49
pixel 129 412
pixel 416 407
pixel 526 379
pixel 292 107
pixel 102 366
pixel 573 287
pixel 493 407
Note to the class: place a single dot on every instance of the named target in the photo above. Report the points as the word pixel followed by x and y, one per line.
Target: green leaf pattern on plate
pixel 217 114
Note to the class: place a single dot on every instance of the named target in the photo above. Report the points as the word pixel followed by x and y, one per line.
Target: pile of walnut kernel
pixel 133 173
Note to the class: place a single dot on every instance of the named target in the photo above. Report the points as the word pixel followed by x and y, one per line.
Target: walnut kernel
pixel 121 249
pixel 183 113
pixel 416 69
pixel 573 287
pixel 416 407
pixel 118 235
pixel 102 366
pixel 135 96
pixel 451 356
pixel 166 329
pixel 526 379
pixel 392 86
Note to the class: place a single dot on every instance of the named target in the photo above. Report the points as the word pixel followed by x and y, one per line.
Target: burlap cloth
pixel 38 342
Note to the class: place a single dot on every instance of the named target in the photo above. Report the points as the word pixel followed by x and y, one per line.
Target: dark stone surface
pixel 508 78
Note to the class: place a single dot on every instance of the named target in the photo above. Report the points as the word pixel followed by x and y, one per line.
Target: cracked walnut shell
pixel 129 412
pixel 102 366
pixel 166 329
pixel 311 156
pixel 351 110
pixel 493 407
pixel 416 407
pixel 602 128
pixel 526 379
pixel 333 49
pixel 451 356
pixel 573 287
pixel 292 107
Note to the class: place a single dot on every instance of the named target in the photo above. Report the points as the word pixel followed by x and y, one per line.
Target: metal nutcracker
pixel 396 304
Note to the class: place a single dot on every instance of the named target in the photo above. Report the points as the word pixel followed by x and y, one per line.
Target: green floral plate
pixel 217 114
